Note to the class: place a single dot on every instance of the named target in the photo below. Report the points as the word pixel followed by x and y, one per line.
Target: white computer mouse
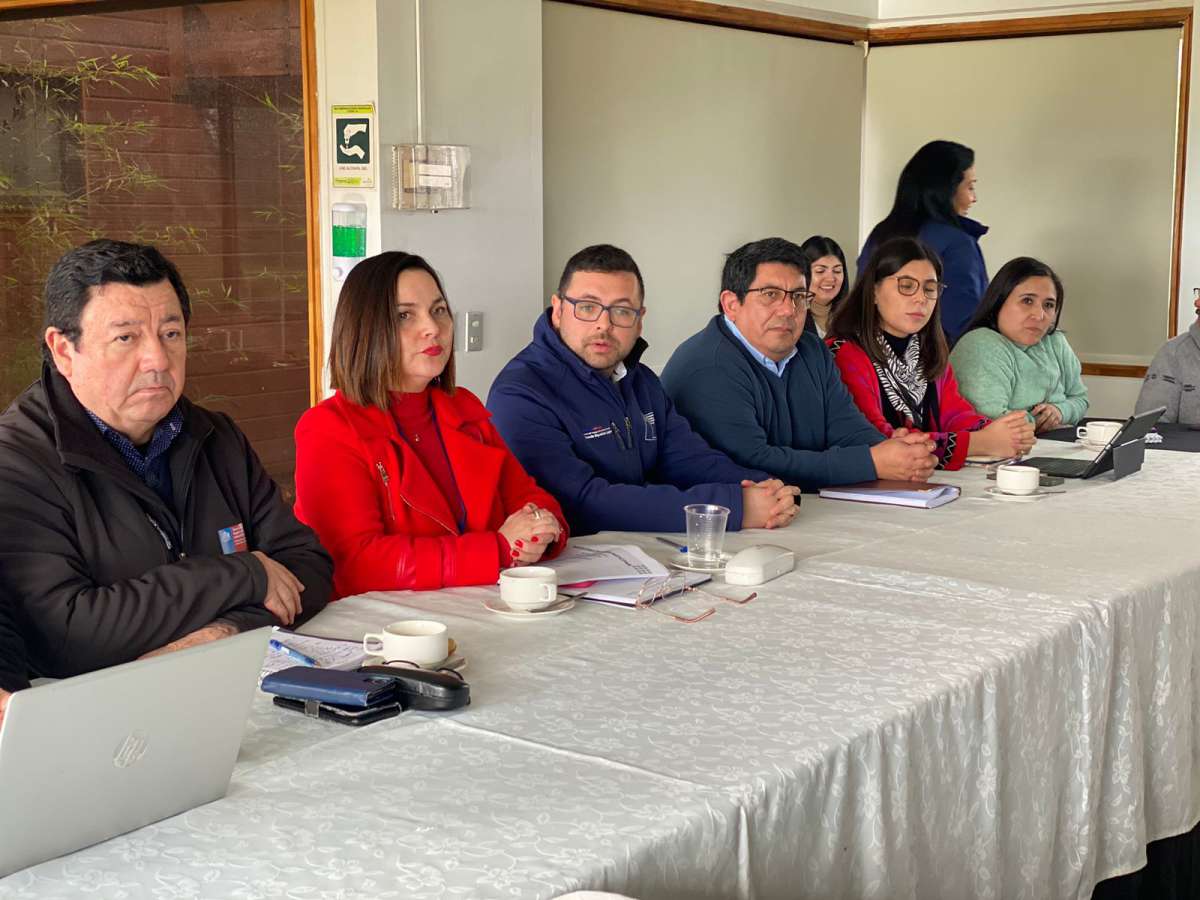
pixel 759 563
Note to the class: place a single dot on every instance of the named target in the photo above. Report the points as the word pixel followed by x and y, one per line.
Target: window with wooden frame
pixel 182 125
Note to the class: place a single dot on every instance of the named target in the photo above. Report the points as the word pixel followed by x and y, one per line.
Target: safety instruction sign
pixel 353 137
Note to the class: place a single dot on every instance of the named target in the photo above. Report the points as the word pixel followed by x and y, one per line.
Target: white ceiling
pixel 906 12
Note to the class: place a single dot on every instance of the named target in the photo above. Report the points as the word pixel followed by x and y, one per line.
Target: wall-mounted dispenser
pixel 349 237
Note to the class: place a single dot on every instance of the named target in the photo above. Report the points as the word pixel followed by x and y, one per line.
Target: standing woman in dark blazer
pixel 934 193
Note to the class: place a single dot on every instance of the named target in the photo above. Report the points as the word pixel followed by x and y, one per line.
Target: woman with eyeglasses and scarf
pixel 887 341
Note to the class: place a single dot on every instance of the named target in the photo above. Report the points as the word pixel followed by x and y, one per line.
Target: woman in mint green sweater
pixel 1014 357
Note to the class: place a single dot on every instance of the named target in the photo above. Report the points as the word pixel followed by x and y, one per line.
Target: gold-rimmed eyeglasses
pixel 908 286
pixel 675 585
pixel 773 296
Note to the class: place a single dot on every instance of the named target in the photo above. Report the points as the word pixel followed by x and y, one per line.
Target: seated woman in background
pixel 826 280
pixel 935 191
pixel 1013 357
pixel 401 474
pixel 889 347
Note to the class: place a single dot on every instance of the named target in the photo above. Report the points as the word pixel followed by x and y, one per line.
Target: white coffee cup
pixel 1017 479
pixel 1100 431
pixel 528 588
pixel 416 640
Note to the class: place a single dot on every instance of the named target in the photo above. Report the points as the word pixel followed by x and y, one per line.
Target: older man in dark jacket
pixel 132 520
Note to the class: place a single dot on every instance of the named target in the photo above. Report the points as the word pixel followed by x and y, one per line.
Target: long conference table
pixel 990 699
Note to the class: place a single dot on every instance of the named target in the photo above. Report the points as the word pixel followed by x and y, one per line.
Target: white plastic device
pixel 759 563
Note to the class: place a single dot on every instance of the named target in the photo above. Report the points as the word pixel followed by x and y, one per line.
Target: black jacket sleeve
pixel 56 558
pixel 13 666
pixel 274 530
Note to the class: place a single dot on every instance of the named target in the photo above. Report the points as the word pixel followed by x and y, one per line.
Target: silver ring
pixel 537 513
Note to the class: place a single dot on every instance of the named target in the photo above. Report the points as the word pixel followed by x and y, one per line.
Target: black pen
pixel 617 434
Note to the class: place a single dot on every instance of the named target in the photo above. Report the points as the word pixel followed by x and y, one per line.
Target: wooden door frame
pixel 312 181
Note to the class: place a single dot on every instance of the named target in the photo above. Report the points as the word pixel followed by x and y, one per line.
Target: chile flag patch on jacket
pixel 233 539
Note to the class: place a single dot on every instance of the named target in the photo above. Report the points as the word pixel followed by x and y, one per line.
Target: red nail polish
pixel 521 543
pixel 534 539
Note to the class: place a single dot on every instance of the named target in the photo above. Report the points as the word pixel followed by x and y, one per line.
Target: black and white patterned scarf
pixel 902 380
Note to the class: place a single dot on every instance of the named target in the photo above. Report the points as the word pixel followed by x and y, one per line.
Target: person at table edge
pixel 131 519
pixel 401 472
pixel 755 384
pixel 1173 379
pixel 592 423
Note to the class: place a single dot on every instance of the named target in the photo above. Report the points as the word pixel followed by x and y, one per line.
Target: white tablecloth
pixel 984 700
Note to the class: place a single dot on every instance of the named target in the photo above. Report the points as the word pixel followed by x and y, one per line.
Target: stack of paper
pixel 623 591
pixel 603 562
pixel 922 494
pixel 327 653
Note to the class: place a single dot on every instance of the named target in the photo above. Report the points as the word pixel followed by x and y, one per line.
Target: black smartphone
pixel 346 715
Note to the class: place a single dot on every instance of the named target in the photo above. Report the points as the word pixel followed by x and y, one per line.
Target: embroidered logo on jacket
pixel 597 432
pixel 651 434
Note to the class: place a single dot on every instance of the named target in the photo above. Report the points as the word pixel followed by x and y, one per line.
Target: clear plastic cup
pixel 705 533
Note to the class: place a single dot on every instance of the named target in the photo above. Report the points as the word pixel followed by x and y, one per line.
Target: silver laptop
pixel 90 757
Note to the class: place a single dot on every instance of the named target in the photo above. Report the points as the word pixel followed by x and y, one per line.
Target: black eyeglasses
pixel 591 310
pixel 773 296
pixel 908 286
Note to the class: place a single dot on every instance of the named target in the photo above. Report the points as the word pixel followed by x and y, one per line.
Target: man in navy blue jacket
pixel 594 426
pixel 769 394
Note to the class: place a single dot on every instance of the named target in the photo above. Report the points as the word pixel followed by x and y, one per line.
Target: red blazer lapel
pixel 477 466
pixel 406 475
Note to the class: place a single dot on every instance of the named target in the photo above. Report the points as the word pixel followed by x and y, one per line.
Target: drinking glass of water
pixel 705 533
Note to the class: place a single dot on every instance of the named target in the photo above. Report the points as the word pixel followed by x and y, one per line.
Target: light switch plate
pixel 472 331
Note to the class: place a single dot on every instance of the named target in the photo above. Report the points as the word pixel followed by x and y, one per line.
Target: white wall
pixel 1063 176
pixel 347 72
pixel 483 87
pixel 679 142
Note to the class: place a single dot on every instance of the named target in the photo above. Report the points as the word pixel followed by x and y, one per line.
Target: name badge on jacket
pixel 233 539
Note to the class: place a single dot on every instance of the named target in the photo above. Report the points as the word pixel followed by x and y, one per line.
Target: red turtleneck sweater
pixel 413 414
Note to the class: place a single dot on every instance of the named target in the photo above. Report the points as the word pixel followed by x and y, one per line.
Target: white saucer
pixel 500 608
pixel 1091 445
pixel 687 567
pixel 457 662
pixel 1016 498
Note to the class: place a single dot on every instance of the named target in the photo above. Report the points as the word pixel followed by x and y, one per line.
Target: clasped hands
pixel 906 456
pixel 529 531
pixel 768 504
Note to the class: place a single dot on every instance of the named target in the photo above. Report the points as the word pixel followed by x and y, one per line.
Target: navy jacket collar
pixel 971 227
pixel 546 340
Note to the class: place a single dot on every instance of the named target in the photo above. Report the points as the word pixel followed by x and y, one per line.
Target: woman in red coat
pixel 401 474
pixel 887 341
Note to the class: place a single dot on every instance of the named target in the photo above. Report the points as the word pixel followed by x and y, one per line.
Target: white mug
pixel 1098 432
pixel 1017 479
pixel 528 588
pixel 416 640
